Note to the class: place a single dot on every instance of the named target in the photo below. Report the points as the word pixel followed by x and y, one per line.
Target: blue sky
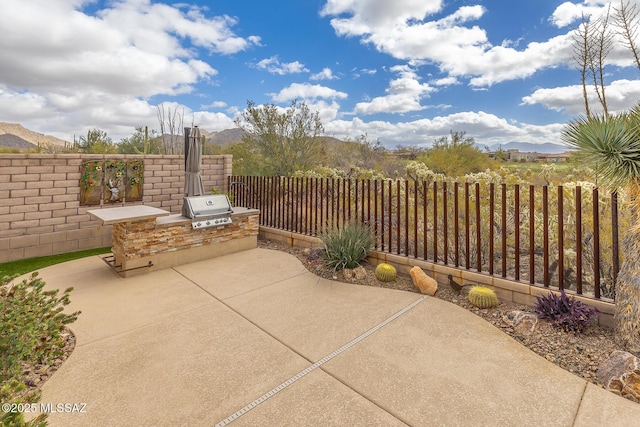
pixel 404 72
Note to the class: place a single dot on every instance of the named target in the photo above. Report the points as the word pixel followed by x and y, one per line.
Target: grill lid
pixel 208 206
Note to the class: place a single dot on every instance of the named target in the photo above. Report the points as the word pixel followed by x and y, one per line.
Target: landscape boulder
pixel 522 322
pixel 352 274
pixel 424 283
pixel 620 374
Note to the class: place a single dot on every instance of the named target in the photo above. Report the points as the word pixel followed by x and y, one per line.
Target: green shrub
pixel 31 320
pixel 345 247
pixel 565 312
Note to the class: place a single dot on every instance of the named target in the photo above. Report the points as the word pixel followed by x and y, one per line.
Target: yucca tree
pixel 612 145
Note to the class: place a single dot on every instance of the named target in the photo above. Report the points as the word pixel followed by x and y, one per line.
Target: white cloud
pixel 403 94
pixel 325 74
pixel 212 122
pixel 485 128
pixel 382 12
pixel 214 104
pixel 621 95
pixel 63 67
pixel 274 66
pixel 569 13
pixel 447 81
pixel 306 91
pixel 409 30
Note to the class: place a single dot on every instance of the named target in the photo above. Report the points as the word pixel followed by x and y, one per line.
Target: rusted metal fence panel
pixel 560 237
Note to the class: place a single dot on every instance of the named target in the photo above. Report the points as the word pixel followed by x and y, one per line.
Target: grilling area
pixel 146 238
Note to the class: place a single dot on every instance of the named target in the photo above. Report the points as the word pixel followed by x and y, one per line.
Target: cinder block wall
pixel 40 212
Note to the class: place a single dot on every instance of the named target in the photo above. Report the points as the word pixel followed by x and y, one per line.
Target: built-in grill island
pixel 209 211
pixel 145 238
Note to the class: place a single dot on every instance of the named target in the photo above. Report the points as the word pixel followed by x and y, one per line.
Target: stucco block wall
pixel 40 212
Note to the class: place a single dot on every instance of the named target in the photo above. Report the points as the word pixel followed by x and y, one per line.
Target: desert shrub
pixel 345 247
pixel 565 312
pixel 31 320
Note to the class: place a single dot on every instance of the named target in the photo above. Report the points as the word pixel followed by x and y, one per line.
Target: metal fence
pixel 564 237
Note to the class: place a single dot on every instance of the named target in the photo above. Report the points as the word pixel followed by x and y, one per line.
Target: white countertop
pixel 127 214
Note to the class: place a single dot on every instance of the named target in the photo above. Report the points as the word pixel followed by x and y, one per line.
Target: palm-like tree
pixel 612 144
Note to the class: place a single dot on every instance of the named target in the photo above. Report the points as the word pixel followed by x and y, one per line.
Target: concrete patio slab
pixel 192 369
pixel 226 276
pixel 438 365
pixel 602 408
pixel 317 400
pixel 315 317
pixel 111 305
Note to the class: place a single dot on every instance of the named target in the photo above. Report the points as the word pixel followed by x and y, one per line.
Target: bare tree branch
pixel 581 56
pixel 627 22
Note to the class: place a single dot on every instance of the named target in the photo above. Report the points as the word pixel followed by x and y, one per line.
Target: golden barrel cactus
pixel 482 297
pixel 386 272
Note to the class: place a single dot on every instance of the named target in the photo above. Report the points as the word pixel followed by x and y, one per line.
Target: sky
pixel 402 72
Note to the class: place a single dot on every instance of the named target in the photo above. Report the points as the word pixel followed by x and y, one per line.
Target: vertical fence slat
pixel 579 240
pixel 560 237
pixel 545 234
pixel 516 227
pixel 398 216
pixel 355 199
pixel 368 201
pixel 532 238
pixel 596 244
pixel 614 238
pixel 467 241
pixel 375 210
pixel 406 218
pixel 415 219
pixel 456 223
pixel 478 232
pixel 382 210
pixel 435 221
pixel 491 227
pixel 390 213
pixel 445 225
pixel 425 227
pixel 323 213
pixel 504 230
pixel 349 198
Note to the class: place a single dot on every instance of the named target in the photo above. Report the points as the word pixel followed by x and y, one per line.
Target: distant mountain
pixel 528 147
pixel 12 141
pixel 223 137
pixel 26 135
pixel 228 136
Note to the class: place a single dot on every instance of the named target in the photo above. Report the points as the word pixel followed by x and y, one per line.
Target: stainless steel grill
pixel 208 211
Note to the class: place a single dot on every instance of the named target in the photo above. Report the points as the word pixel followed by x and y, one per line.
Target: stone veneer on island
pixel 145 238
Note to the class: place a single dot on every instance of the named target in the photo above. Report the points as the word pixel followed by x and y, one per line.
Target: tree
pixel 171 122
pixel 141 142
pixel 97 142
pixel 612 145
pixel 627 21
pixel 287 141
pixel 581 55
pixel 601 46
pixel 456 155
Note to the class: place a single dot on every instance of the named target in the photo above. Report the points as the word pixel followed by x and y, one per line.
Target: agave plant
pixel 612 145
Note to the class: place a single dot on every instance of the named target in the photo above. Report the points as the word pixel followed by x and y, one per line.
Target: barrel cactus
pixel 385 272
pixel 482 297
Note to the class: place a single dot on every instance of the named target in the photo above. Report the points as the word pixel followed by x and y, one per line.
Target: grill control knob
pixel 208 223
pixel 199 224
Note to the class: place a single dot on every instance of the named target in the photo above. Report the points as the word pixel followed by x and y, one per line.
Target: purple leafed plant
pixel 565 312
